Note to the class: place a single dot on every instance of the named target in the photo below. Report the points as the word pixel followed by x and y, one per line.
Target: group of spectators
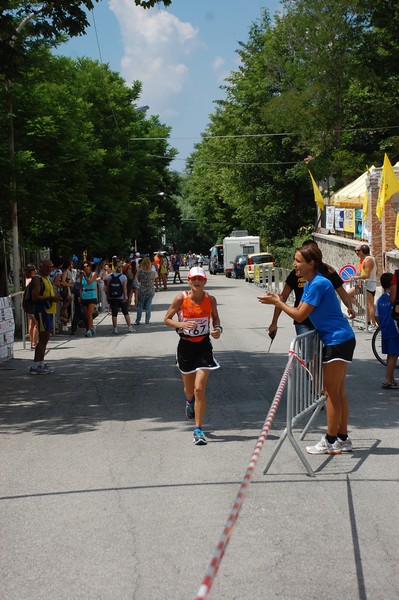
pixel 106 286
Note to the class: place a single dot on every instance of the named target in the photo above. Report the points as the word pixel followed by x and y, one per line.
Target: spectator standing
pixel 129 269
pixel 190 259
pixel 66 285
pixel 368 273
pixel 102 278
pixel 389 331
pixel 319 303
pixel 45 307
pixel 156 262
pixel 163 270
pixel 136 284
pixel 176 267
pixel 89 295
pixel 146 291
pixel 297 283
pixel 116 289
pixel 33 328
pixel 78 314
pixel 195 310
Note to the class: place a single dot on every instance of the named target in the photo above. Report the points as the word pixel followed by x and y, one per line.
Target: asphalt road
pixel 104 496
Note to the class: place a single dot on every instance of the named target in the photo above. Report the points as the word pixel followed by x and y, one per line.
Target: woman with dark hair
pixel 66 285
pixel 295 283
pixel 319 302
pixel 33 328
pixel 88 294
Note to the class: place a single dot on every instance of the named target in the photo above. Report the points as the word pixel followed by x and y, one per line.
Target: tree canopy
pixel 317 83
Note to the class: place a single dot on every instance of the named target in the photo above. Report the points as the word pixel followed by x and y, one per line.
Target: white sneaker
pixel 342 446
pixel 89 333
pixel 322 447
pixel 130 329
pixel 115 331
pixel 372 327
pixel 45 370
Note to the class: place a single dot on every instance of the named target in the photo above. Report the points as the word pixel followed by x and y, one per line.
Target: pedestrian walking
pixel 116 289
pixel 146 290
pixel 195 310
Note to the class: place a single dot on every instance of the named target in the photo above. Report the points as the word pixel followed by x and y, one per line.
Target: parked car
pixel 238 266
pixel 261 258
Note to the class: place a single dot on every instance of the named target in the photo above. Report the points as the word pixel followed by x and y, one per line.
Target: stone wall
pixel 337 251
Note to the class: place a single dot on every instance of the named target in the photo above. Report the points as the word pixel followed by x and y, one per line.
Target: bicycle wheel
pixel 376 345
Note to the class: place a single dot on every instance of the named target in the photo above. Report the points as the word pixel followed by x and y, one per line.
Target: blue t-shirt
pixel 327 318
pixel 383 311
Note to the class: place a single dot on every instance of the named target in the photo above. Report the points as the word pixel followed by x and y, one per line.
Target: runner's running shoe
pixel 190 414
pixel 199 438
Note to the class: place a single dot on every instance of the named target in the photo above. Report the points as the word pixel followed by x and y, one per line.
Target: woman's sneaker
pixel 190 413
pixel 343 445
pixel 323 447
pixel 199 438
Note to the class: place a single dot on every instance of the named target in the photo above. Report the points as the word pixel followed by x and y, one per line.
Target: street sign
pixel 347 272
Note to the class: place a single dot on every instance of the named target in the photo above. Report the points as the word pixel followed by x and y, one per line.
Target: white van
pixel 235 245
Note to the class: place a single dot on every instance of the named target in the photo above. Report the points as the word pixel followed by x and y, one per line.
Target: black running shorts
pixel 194 356
pixel 342 352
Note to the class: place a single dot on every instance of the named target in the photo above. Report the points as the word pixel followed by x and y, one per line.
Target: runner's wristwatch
pixel 220 328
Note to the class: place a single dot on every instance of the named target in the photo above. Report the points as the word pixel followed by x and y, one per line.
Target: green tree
pixel 319 81
pixel 83 182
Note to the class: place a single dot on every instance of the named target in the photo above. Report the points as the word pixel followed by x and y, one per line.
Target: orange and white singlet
pixel 200 313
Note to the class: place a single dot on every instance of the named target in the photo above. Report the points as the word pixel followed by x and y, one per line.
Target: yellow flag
pixel 366 206
pixel 318 198
pixel 397 231
pixel 389 185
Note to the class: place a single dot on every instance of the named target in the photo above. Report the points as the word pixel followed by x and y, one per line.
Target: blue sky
pixel 181 54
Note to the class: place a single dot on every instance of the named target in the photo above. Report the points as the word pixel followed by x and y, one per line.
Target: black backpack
pixel 115 286
pixel 27 303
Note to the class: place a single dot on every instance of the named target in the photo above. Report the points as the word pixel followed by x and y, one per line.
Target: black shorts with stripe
pixel 194 356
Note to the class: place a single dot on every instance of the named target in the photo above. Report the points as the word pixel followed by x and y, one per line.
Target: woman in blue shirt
pixel 320 304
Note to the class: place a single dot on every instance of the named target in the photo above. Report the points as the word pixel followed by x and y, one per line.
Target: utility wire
pixel 257 135
pixel 215 162
pixel 105 82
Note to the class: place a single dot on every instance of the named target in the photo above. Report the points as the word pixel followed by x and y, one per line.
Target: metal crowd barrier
pixel 359 301
pixel 305 394
pixel 270 278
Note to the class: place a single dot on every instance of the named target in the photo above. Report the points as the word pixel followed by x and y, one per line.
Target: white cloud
pixel 218 63
pixel 156 47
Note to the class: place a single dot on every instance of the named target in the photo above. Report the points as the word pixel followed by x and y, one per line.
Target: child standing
pixel 389 331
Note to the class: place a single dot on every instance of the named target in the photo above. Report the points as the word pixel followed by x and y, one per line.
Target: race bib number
pixel 201 327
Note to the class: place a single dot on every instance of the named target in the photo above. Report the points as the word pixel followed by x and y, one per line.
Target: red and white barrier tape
pixel 224 539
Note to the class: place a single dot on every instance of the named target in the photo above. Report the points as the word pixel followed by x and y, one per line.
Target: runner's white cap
pixel 196 272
